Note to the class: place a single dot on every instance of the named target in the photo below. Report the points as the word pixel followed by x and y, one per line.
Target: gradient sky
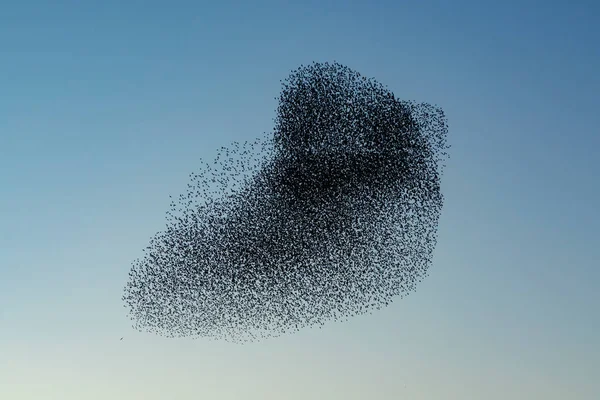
pixel 107 106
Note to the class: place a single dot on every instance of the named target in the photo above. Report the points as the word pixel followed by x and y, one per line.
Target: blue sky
pixel 106 107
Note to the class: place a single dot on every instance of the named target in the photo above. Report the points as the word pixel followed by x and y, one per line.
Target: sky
pixel 107 106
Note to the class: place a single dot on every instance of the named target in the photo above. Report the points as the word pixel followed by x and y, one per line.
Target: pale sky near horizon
pixel 106 107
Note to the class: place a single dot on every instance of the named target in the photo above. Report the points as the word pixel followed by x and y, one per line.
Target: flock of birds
pixel 333 215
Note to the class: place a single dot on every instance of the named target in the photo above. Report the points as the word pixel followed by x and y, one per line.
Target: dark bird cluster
pixel 333 215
